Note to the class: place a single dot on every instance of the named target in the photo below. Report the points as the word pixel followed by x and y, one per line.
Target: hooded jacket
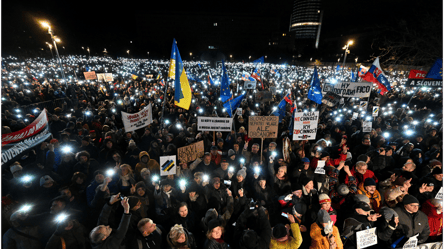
pixel 319 241
pixel 151 164
pixel 435 219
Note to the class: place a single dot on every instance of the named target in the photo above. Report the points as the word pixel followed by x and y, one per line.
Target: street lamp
pixel 87 49
pixel 50 48
pixel 127 51
pixel 191 54
pixel 54 41
pixel 148 54
pixel 350 42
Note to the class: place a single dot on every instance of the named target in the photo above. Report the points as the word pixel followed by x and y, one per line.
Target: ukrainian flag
pixel 182 94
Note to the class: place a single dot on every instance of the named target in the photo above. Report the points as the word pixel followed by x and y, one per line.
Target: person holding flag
pixel 233 104
pixel 376 75
pixel 280 110
pixel 182 94
pixel 315 93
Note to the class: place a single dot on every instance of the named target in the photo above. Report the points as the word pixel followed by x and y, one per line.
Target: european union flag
pixel 353 76
pixel 436 71
pixel 182 91
pixel 315 93
pixel 280 111
pixel 233 104
pixel 260 60
pixel 338 68
pixel 225 93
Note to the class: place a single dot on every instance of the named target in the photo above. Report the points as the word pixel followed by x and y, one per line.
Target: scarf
pixel 125 180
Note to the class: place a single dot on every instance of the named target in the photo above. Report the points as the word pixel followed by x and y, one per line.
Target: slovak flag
pixel 362 71
pixel 375 75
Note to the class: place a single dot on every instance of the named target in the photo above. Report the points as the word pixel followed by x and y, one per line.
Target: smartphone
pixel 284 214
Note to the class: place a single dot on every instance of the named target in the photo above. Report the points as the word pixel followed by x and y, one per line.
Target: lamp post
pixel 191 54
pixel 89 55
pixel 54 41
pixel 350 42
pixel 50 48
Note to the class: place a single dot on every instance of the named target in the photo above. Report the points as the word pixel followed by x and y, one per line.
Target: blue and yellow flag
pixel 182 94
pixel 225 93
pixel 436 71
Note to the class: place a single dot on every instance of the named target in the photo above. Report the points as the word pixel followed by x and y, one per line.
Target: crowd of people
pixel 94 185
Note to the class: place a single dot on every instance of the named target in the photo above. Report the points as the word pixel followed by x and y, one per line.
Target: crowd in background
pixel 94 185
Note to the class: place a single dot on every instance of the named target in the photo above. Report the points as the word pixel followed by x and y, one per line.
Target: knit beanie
pixel 369 182
pixel 409 199
pixel 279 231
pixel 323 198
pixel 242 172
pixel 323 216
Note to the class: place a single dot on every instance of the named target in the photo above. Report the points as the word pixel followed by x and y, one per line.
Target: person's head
pixel 255 148
pixel 241 174
pixel 224 164
pixel 100 233
pixel 370 185
pixel 409 167
pixel 282 171
pixel 116 157
pixel 306 162
pixel 125 169
pixel 207 158
pixel 16 170
pixel 272 146
pixel 177 234
pixel 58 204
pixel 280 232
pixel 144 159
pixel 262 181
pixel 183 209
pixel 361 167
pixel 366 141
pixel 65 191
pixel 145 173
pixel 216 182
pixel 437 173
pixel 82 156
pixel 215 230
pixel 236 147
pixel 141 188
pixel 213 150
pixel 411 204
pixel 198 177
pixel 109 144
pixel 166 185
pixel 362 208
pixel 307 184
pixel 437 203
pixel 146 226
pixel 325 202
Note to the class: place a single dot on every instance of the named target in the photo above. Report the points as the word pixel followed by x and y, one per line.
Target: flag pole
pixel 231 110
pixel 163 104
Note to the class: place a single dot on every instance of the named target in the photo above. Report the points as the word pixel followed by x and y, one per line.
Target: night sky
pixel 111 25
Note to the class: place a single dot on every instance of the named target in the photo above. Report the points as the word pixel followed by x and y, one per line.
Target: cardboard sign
pixel 264 96
pixel 331 99
pixel 366 238
pixel 214 124
pixel 263 126
pixel 90 75
pixel 411 243
pixel 190 152
pixel 168 165
pixel 366 126
pixel 250 85
pixel 105 77
pixel 134 121
pixel 305 125
pixel 320 168
pixel 375 111
pixel 239 111
pixel 349 89
pixel 355 115
pixel 363 105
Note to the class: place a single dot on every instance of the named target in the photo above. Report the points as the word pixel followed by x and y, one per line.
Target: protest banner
pixel 417 78
pixel 250 85
pixel 168 165
pixel 90 75
pixel 263 126
pixel 366 238
pixel 439 194
pixel 134 121
pixel 375 111
pixel 239 111
pixel 305 125
pixel 366 126
pixel 214 124
pixel 331 99
pixel 190 152
pixel 105 77
pixel 16 144
pixel 349 89
pixel 412 242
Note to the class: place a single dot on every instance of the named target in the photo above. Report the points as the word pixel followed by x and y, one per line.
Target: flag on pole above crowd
pixel 232 104
pixel 225 93
pixel 210 79
pixel 259 61
pixel 362 71
pixel 353 76
pixel 436 71
pixel 375 75
pixel 294 109
pixel 280 111
pixel 315 93
pixel 182 92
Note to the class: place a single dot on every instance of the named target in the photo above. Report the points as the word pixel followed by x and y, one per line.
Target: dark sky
pixel 97 23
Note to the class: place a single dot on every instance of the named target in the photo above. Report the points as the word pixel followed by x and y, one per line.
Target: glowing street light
pixel 54 41
pixel 347 51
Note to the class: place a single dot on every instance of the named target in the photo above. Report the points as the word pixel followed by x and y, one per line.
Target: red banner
pixel 417 74
pixel 35 127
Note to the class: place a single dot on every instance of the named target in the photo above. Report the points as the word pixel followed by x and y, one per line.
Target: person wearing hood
pixel 215 236
pixel 166 198
pixel 132 153
pixel 184 217
pixel 106 153
pixel 146 197
pixel 263 192
pixel 86 165
pixel 433 209
pixel 146 162
pixel 386 225
pixel 324 234
pixel 196 199
pixel 218 195
pixel 281 237
pixel 239 183
pixel 180 238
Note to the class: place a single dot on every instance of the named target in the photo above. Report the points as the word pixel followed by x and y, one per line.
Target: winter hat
pixel 213 224
pixel 45 179
pixel 304 180
pixel 362 198
pixel 132 201
pixel 324 154
pixel 141 184
pixel 323 198
pixel 436 171
pixel 16 167
pixel 231 152
pixel 250 239
pixel 242 172
pixel 388 213
pixel 299 206
pixel 295 186
pixel 305 160
pixel 363 205
pixel 213 147
pixel 323 216
pixel 362 158
pixel 434 162
pixel 279 231
pixel 369 182
pixel 343 190
pixel 409 199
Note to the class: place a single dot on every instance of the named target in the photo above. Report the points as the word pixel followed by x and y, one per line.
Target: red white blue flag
pixel 375 75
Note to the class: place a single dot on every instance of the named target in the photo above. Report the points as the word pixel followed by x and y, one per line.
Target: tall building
pixel 305 19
